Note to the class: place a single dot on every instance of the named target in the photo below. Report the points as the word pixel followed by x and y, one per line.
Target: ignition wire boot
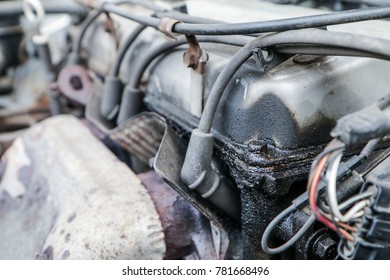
pixel 361 126
pixel 198 175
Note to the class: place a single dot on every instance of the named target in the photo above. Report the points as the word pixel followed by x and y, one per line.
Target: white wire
pixel 331 176
pixel 354 199
pixel 356 210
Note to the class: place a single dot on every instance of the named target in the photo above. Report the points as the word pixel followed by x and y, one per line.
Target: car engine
pixel 194 129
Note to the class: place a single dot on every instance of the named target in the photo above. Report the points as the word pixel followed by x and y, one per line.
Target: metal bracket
pixel 166 26
pixel 263 62
pixel 195 57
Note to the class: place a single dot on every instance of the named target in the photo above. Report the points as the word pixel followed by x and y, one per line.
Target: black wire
pixel 319 50
pixel 364 154
pixel 314 36
pixel 292 241
pixel 173 14
pixel 144 20
pixel 186 17
pixel 192 19
pixel 284 24
pixel 94 14
pixel 134 80
pixel 124 47
pixel 135 77
pixel 262 26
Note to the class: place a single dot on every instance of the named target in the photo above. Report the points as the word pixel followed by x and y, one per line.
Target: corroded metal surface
pixel 63 195
pixel 188 234
pixel 75 83
pixel 141 136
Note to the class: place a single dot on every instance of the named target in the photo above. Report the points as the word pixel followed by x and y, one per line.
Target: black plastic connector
pixel 373 239
pixel 362 126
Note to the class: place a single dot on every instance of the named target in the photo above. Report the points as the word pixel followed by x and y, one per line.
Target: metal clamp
pixel 166 25
pixel 195 57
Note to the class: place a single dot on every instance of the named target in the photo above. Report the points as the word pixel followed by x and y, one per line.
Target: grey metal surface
pixel 269 126
pixel 291 106
pixel 64 195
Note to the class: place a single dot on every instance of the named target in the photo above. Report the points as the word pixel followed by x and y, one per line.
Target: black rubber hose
pixel 144 20
pixel 123 49
pixel 15 8
pixel 322 50
pixel 113 85
pixel 374 46
pixel 187 18
pixel 292 241
pixel 94 14
pixel 261 26
pixel 135 77
pixel 177 15
pixel 285 24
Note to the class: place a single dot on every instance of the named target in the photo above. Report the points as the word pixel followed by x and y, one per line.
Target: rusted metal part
pixel 195 57
pixel 188 233
pixel 141 136
pixel 75 83
pixel 55 205
pixel 166 25
pixel 109 24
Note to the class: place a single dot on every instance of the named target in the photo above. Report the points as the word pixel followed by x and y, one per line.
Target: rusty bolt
pixel 325 248
pixel 75 82
pixel 191 60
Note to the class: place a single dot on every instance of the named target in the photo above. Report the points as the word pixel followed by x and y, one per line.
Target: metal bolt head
pixel 75 82
pixel 325 248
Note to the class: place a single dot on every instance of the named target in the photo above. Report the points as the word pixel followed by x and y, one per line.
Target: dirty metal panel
pixel 64 195
pixel 167 164
pixel 292 106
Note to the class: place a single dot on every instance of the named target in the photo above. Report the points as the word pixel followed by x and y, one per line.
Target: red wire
pixel 312 187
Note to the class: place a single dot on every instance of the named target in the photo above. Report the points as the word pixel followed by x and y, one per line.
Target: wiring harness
pixel 351 216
